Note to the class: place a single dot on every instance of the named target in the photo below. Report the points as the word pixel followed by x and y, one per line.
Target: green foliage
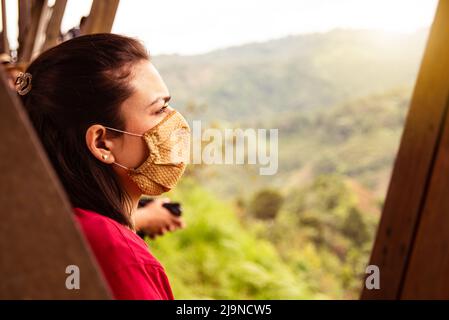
pixel 355 228
pixel 215 257
pixel 315 248
pixel 358 139
pixel 330 218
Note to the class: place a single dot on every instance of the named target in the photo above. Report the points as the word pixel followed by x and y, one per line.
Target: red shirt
pixel 131 271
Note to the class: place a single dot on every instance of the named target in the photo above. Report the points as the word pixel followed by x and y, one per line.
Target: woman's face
pixel 145 108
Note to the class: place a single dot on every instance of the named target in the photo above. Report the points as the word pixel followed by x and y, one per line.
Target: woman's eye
pixel 162 109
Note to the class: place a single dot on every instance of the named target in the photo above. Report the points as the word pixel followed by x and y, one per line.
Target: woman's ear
pixel 98 144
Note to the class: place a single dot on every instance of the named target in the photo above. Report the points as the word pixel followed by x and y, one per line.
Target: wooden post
pixel 5 43
pixel 24 10
pixel 415 216
pixel 54 25
pixel 101 17
pixel 33 27
pixel 38 236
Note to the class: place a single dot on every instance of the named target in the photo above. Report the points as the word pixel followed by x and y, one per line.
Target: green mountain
pixel 338 99
pixel 261 80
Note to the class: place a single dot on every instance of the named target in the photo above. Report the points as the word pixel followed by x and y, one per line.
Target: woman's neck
pixel 134 198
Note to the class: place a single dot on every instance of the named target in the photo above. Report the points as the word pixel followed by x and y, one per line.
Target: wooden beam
pixel 54 25
pixel 101 17
pixel 5 43
pixel 427 273
pixel 33 29
pixel 24 22
pixel 408 198
pixel 41 30
pixel 38 235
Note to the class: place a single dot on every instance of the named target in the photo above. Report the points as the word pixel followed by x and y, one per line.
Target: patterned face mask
pixel 169 150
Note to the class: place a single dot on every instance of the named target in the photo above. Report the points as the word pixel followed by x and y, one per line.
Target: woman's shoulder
pixel 130 269
pixel 113 242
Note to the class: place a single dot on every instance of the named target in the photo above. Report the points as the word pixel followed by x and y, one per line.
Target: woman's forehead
pixel 147 81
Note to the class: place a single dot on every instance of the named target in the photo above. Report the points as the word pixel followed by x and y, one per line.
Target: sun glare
pixel 201 25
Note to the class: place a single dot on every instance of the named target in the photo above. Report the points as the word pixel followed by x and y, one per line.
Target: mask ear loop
pixel 122 166
pixel 125 132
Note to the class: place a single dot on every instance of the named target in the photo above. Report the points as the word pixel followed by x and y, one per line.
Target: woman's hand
pixel 153 219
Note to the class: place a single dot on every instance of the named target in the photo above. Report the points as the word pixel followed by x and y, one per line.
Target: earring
pixel 104 156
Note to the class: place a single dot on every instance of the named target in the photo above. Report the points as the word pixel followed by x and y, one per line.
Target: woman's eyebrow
pixel 165 98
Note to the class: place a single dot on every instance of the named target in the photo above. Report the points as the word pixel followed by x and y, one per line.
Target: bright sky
pixel 197 26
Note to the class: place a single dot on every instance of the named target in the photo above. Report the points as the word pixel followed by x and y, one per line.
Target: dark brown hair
pixel 76 84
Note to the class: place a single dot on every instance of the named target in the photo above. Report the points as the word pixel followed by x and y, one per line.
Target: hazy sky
pixel 196 26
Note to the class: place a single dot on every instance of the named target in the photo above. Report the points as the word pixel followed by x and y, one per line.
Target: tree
pixel 265 204
pixel 355 228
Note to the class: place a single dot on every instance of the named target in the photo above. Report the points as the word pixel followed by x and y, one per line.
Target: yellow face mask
pixel 169 150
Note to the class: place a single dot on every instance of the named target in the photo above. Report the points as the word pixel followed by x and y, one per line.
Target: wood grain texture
pixel 35 20
pixel 414 164
pixel 427 275
pixel 101 17
pixel 54 24
pixel 24 24
pixel 4 45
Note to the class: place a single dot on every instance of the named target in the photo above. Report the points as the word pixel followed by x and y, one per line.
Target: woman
pixel 101 111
